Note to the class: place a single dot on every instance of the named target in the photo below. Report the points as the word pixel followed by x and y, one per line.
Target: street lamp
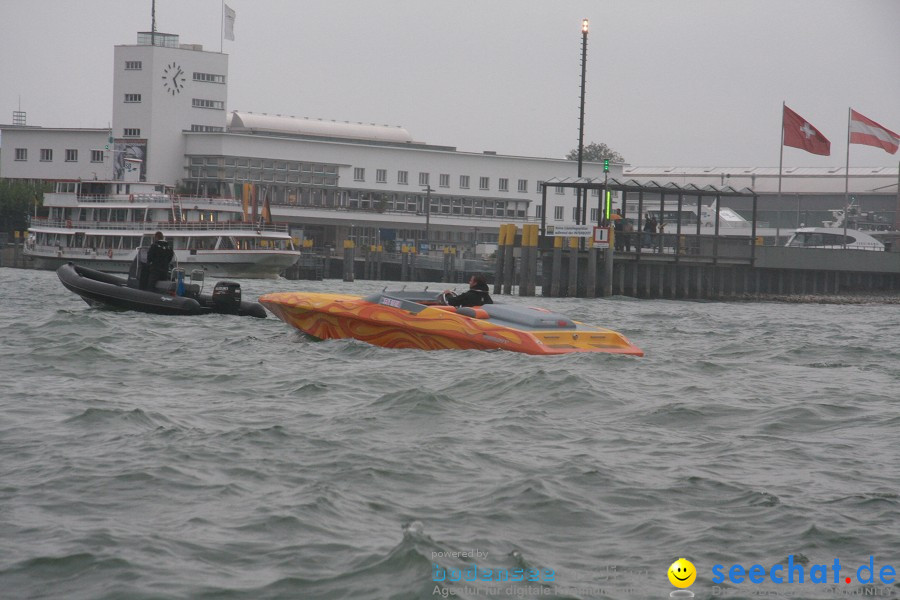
pixel 584 34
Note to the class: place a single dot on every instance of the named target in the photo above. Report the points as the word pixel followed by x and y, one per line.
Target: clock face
pixel 173 78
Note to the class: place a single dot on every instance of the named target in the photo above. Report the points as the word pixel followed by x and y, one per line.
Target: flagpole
pixel 847 180
pixel 780 162
pixel 222 29
pixel 897 209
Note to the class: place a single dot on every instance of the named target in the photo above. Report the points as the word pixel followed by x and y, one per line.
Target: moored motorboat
pixel 420 320
pixel 104 289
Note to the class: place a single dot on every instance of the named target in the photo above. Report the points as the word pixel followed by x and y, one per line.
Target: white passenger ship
pixel 101 224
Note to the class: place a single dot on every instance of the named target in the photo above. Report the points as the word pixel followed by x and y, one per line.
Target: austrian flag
pixel 868 132
pixel 798 133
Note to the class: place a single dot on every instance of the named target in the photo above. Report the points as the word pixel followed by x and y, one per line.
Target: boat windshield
pixel 812 239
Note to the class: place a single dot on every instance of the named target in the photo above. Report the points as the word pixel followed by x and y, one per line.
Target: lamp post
pixel 584 34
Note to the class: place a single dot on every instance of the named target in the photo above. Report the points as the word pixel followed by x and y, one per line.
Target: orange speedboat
pixel 420 320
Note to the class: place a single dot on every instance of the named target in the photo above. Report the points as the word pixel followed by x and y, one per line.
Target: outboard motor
pixel 226 297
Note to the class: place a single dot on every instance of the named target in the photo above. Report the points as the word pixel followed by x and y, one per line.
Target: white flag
pixel 229 23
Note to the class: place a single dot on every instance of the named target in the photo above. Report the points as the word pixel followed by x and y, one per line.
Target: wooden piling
pixel 572 290
pixel 509 260
pixel 500 268
pixel 349 256
pixel 556 271
pixel 404 263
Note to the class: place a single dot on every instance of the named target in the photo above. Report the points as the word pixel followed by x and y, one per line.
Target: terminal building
pixel 333 180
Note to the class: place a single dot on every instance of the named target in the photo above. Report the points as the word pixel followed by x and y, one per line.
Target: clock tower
pixel 161 90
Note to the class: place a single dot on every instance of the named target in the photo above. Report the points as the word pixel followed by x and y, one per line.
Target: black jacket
pixel 474 297
pixel 160 255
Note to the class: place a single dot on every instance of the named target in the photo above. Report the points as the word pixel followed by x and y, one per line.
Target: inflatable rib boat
pixel 103 289
pixel 421 320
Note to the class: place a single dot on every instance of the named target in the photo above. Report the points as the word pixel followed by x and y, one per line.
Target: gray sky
pixel 669 82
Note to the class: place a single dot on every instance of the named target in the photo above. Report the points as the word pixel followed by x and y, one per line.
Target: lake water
pixel 144 456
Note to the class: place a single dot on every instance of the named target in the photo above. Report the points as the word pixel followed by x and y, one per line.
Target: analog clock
pixel 173 78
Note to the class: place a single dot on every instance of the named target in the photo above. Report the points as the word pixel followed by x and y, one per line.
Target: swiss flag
pixel 798 133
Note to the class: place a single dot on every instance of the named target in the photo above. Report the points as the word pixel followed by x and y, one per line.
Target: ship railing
pixel 146 198
pixel 151 226
pixel 79 251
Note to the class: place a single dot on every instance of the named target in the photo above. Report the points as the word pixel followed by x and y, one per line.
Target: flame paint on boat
pixel 415 320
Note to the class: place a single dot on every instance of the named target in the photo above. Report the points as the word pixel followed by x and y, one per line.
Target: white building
pixel 170 125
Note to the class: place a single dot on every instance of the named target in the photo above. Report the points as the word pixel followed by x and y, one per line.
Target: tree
pixel 595 152
pixel 17 200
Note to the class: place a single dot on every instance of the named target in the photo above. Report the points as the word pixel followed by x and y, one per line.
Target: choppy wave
pixel 218 457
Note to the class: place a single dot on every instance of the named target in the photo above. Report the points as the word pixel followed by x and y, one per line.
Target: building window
pixel 46 154
pixel 133 65
pixel 423 178
pixel 96 156
pixel 560 190
pixel 464 182
pixel 484 183
pixel 558 213
pixel 21 153
pixel 523 185
pixel 445 180
pixel 132 97
pixel 503 184
pixel 132 133
pixel 71 155
pixel 538 210
pixel 214 104
pixel 402 177
pixel 381 176
pixel 593 215
pixel 207 128
pixel 359 174
pixel 575 212
pixel 209 77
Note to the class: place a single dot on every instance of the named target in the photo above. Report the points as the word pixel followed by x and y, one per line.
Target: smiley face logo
pixel 682 573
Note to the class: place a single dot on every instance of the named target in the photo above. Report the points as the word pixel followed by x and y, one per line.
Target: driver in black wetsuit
pixel 158 258
pixel 476 296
